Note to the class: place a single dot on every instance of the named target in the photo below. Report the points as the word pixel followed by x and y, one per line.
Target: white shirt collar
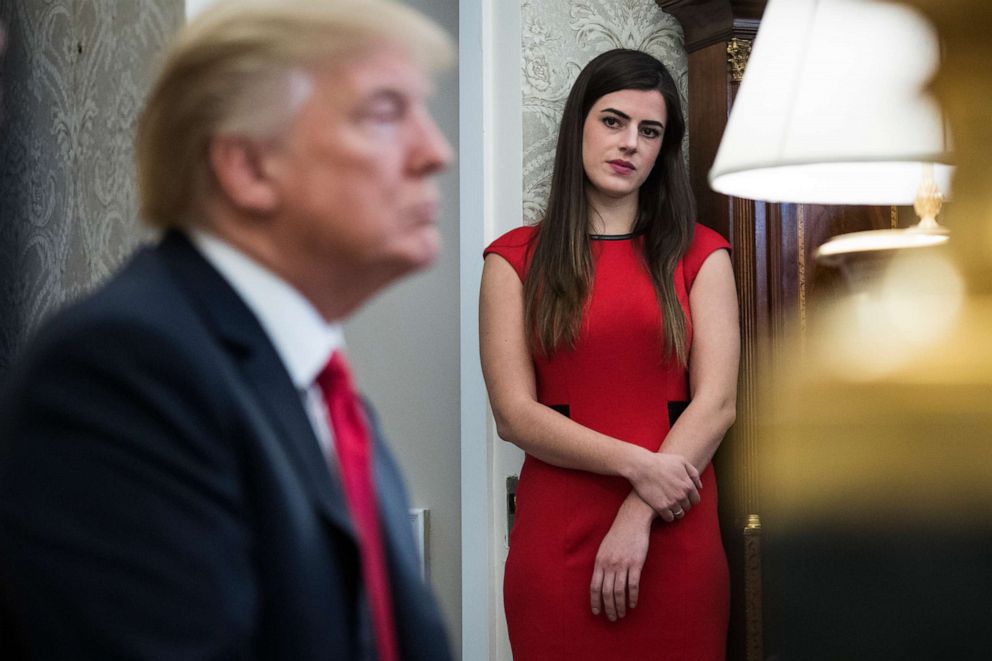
pixel 301 336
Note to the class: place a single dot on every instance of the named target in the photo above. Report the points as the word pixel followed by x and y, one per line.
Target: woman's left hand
pixel 616 575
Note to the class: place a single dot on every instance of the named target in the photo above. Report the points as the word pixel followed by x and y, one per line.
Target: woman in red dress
pixel 610 346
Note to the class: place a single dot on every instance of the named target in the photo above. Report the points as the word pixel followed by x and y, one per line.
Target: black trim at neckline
pixel 612 237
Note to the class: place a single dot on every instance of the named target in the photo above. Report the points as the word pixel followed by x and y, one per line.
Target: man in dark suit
pixel 185 472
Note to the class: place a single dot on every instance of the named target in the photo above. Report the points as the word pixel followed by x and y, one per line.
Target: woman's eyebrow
pixel 616 112
pixel 625 116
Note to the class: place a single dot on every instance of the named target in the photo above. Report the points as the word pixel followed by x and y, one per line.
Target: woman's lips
pixel 621 167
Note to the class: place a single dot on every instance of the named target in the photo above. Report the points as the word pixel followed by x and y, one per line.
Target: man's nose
pixel 434 152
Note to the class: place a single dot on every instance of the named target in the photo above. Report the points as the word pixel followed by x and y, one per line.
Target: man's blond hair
pixel 240 68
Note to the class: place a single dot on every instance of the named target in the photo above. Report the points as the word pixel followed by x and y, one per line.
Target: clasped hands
pixel 666 485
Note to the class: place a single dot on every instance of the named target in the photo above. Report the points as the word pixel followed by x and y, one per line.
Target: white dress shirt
pixel 301 336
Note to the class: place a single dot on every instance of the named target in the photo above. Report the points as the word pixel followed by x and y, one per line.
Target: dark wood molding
pixel 706 22
pixel 709 105
pixel 754 626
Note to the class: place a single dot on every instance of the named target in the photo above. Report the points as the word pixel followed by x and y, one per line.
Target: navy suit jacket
pixel 162 494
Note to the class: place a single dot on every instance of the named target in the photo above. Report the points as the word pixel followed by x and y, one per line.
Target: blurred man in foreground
pixel 185 469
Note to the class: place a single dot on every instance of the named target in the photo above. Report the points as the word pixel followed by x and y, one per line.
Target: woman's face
pixel 621 139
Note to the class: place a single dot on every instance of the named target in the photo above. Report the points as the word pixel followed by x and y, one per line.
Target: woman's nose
pixel 628 139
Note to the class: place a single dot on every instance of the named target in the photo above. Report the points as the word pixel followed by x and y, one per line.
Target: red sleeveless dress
pixel 613 381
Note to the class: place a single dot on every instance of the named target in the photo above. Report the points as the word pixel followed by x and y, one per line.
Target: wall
pixel 405 349
pixel 73 80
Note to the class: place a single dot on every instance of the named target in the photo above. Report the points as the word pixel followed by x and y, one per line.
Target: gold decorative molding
pixel 738 52
pixel 894 217
pixel 753 524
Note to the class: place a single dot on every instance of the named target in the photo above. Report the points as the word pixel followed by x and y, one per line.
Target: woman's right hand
pixel 668 483
pixel 616 575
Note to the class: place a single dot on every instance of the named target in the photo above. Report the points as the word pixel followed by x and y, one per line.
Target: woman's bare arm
pixel 713 364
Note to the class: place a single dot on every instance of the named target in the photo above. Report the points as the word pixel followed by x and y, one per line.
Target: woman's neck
pixel 611 215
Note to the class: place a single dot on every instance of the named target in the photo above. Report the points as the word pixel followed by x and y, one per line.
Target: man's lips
pixel 425 212
pixel 621 167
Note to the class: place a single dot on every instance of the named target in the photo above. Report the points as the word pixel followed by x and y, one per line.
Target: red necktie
pixel 351 439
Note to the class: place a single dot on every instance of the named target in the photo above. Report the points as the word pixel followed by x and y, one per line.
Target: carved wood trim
pixel 754 637
pixel 745 428
pixel 706 22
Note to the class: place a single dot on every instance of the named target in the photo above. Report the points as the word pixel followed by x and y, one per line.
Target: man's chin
pixel 428 249
pixel 417 256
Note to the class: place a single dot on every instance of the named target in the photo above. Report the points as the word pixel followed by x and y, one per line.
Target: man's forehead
pixel 380 72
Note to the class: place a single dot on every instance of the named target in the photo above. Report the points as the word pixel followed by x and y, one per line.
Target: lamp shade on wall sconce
pixel 832 108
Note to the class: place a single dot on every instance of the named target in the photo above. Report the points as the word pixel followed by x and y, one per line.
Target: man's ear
pixel 241 176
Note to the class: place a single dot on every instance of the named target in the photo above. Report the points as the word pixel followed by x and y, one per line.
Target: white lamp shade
pixel 832 107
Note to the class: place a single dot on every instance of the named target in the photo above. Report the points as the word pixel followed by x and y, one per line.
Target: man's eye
pixel 384 111
pixel 384 114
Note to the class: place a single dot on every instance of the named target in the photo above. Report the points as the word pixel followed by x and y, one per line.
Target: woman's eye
pixel 649 132
pixel 612 122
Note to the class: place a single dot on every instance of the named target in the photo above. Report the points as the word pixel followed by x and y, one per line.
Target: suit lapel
pixel 392 500
pixel 271 387
pixel 279 398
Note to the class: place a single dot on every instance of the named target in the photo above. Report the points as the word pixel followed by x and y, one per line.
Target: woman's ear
pixel 238 168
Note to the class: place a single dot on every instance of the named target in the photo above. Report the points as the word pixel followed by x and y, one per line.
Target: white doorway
pixel 490 157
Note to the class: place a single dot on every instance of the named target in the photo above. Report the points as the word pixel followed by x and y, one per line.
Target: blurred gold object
pixel 964 89
pixel 876 446
pixel 888 421
pixel 886 430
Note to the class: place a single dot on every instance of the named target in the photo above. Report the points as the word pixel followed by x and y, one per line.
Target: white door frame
pixel 491 202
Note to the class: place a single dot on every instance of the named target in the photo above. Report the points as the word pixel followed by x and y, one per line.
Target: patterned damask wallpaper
pixel 72 84
pixel 558 39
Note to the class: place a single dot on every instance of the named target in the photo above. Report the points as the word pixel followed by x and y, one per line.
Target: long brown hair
pixel 557 283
